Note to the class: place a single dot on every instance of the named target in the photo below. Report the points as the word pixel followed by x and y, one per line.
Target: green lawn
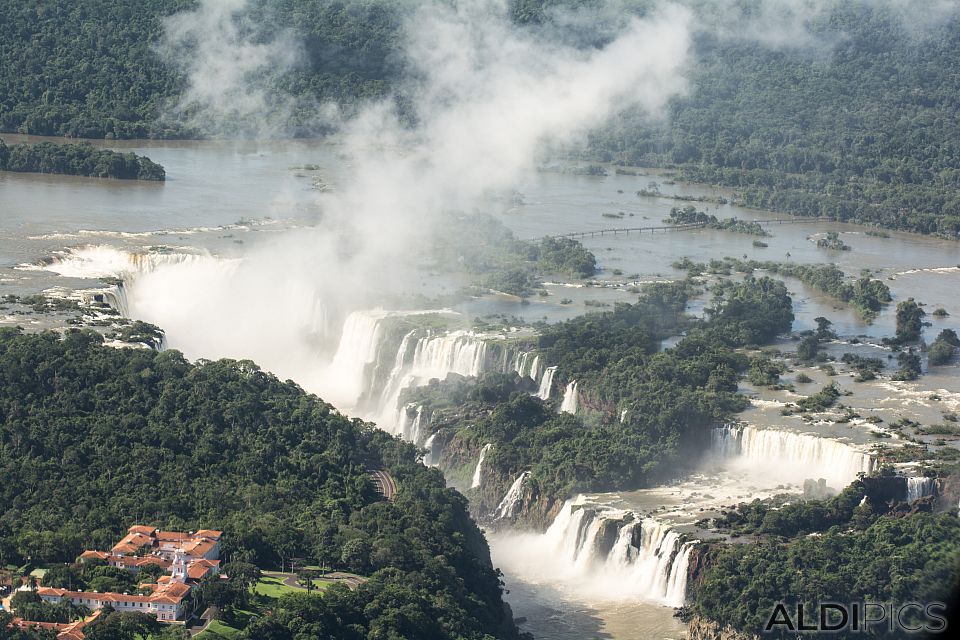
pixel 273 587
pixel 218 629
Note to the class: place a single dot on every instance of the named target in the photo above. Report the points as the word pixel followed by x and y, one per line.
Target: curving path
pixel 385 483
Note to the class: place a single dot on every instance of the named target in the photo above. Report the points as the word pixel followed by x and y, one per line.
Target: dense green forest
pixel 78 160
pixel 864 128
pixel 94 439
pixel 93 68
pixel 842 550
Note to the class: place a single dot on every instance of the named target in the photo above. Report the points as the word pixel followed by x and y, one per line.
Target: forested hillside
pixel 94 439
pixel 93 69
pixel 864 127
pixel 856 554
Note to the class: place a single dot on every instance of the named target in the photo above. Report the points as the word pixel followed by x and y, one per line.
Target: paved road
pixel 206 618
pixel 352 580
pixel 385 484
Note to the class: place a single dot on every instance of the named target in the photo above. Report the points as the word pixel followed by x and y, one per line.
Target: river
pixel 229 204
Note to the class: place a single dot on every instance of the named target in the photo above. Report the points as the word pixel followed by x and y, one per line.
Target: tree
pixel 808 348
pixel 824 332
pixel 909 321
pixel 943 348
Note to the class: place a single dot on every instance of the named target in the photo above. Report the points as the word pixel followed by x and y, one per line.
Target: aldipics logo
pixel 867 618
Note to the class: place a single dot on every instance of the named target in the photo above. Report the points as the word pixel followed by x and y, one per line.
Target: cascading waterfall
pixel 102 261
pixel 639 557
pixel 431 459
pixel 116 297
pixel 920 487
pixel 411 429
pixel 527 363
pixel 359 342
pixel 569 404
pixel 792 456
pixel 434 356
pixel 546 383
pixel 477 472
pixel 508 506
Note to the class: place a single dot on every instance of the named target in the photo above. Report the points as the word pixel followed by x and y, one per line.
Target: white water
pixel 102 261
pixel 918 487
pixel 359 343
pixel 411 429
pixel 475 483
pixel 603 554
pixel 511 500
pixel 546 383
pixel 789 456
pixel 527 363
pixel 432 457
pixel 435 356
pixel 569 404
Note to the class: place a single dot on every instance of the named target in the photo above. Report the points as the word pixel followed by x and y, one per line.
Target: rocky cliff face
pixel 881 491
pixel 700 561
pixel 701 629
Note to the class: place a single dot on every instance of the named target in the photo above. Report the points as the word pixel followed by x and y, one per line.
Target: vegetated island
pixel 78 160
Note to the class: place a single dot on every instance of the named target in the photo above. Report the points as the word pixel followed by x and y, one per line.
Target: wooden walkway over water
pixel 612 231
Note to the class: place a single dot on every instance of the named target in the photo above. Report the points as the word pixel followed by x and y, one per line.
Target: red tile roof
pixel 169 593
pixel 208 533
pixel 145 530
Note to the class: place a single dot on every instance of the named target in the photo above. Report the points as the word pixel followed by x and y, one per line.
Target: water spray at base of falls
pixel 600 553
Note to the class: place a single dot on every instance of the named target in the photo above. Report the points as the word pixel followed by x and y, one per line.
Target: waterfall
pixel 527 364
pixel 359 342
pixel 546 383
pixel 679 571
pixel 476 472
pixel 920 487
pixel 511 500
pixel 116 297
pixel 637 557
pixel 102 261
pixel 417 426
pixel 434 356
pixel 432 458
pixel 409 429
pixel 792 456
pixel 569 404
pixel 534 372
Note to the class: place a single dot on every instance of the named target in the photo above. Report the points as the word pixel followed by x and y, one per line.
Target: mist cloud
pixel 486 98
pixel 228 66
